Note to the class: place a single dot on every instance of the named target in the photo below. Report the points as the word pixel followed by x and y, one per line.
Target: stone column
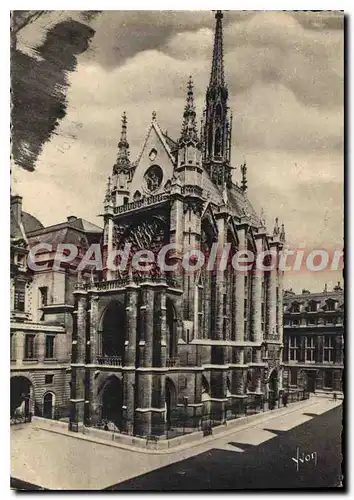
pixel 280 274
pixel 19 338
pixel 131 324
pixel 108 237
pixel 77 399
pixel 239 291
pixel 143 380
pixel 176 231
pixel 160 326
pixel 147 308
pixel 271 302
pixel 256 296
pixel 130 357
pixel 93 328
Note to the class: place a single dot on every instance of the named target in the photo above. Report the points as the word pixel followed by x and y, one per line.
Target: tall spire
pixel 217 126
pixel 123 146
pixel 189 127
pixel 217 68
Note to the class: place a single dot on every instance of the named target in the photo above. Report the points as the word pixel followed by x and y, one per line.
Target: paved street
pixel 259 456
pixel 266 466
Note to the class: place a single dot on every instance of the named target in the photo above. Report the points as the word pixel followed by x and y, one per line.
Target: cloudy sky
pixel 285 76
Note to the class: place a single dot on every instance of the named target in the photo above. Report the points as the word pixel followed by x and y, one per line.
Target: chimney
pixel 71 218
pixel 16 207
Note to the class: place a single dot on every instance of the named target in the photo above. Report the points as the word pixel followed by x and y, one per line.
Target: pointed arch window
pixel 217 146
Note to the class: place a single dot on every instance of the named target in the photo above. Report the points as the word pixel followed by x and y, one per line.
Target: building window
pixel 293 349
pixel 43 296
pixel 224 328
pixel 295 322
pixel 330 305
pixel 262 316
pixel 295 308
pixel 328 349
pixel 48 379
pixel 19 304
pixel 29 347
pixel 310 348
pixel 313 306
pixel 312 320
pixel 330 320
pixel 225 304
pixel 49 346
pixel 200 299
pixel 328 379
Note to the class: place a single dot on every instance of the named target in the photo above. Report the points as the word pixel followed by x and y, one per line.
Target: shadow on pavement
pixel 269 465
pixel 17 484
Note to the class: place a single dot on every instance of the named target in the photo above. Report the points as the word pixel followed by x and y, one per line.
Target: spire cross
pixel 189 128
pixel 123 145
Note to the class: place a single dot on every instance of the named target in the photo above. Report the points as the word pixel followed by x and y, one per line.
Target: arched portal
pixel 170 398
pixel 309 380
pixel 21 395
pixel 171 319
pixel 48 405
pixel 113 330
pixel 112 401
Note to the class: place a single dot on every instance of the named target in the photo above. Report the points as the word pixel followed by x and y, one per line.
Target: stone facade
pixel 154 346
pixel 41 312
pixel 314 340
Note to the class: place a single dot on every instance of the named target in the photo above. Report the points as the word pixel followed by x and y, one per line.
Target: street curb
pixel 243 424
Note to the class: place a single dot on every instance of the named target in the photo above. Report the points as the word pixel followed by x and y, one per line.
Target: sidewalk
pixel 186 441
pixel 59 461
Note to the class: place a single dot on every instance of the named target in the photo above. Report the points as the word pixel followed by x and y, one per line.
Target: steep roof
pixel 241 205
pixel 15 229
pixel 76 231
pixel 320 297
pixel 85 225
pixel 30 223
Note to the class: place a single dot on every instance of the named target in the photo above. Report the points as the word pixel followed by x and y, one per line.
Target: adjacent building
pixel 314 340
pixel 153 347
pixel 41 311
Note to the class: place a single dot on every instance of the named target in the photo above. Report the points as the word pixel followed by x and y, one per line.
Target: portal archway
pixel 112 401
pixel 48 405
pixel 21 395
pixel 113 330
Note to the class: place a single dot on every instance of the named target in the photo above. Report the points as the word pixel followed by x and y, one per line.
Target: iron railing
pixel 110 360
pixel 181 423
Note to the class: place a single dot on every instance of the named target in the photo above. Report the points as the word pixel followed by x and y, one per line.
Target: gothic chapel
pixel 156 348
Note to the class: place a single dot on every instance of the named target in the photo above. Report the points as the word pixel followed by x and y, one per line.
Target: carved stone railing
pixel 170 362
pixel 192 190
pixel 125 281
pixel 110 360
pixel 143 202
